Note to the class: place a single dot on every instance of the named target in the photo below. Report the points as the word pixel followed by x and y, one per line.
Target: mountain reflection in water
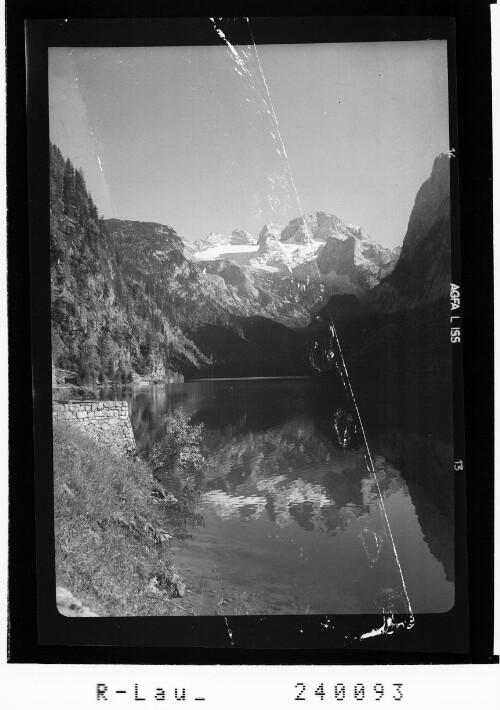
pixel 291 522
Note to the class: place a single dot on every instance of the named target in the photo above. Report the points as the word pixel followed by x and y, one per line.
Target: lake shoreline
pixel 277 495
pixel 114 525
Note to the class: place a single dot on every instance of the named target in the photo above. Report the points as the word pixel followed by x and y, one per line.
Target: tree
pixel 181 445
pixel 106 349
pixel 56 177
pixel 59 350
pixel 89 365
pixel 81 199
pixel 69 189
pixel 119 374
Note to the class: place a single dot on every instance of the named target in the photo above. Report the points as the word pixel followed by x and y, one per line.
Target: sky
pixel 217 138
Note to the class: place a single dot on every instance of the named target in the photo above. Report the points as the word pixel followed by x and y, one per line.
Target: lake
pixel 292 523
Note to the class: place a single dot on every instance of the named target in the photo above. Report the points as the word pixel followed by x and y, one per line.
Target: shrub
pixel 181 446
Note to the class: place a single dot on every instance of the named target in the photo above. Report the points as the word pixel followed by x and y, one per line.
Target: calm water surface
pixel 292 524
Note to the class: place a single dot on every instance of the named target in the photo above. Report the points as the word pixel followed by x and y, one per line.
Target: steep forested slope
pixel 107 321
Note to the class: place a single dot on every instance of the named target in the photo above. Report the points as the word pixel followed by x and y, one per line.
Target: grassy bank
pixel 113 524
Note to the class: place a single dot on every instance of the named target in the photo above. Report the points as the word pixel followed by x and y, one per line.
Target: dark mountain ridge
pixel 396 337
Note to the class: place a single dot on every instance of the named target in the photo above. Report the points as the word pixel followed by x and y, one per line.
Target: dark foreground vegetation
pixel 113 524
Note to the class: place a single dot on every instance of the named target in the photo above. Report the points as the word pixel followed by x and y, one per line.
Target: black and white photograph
pixel 250 252
pixel 247 328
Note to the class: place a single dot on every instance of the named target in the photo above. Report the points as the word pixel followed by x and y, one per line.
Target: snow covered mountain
pixel 318 247
pixel 239 246
pixel 218 240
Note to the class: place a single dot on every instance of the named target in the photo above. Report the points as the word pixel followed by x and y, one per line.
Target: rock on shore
pixel 68 605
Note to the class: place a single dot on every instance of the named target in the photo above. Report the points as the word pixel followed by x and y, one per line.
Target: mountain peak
pixel 214 239
pixel 269 233
pixel 318 226
pixel 317 246
pixel 240 236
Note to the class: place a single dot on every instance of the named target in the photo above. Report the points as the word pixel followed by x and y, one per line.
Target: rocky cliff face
pixel 432 205
pixel 355 261
pixel 349 261
pixel 240 236
pixel 269 233
pixel 318 226
pixel 214 239
pixel 423 272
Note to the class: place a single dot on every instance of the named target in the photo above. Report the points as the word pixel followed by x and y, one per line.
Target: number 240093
pixel 359 692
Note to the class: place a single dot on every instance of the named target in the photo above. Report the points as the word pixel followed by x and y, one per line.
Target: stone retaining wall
pixel 107 422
